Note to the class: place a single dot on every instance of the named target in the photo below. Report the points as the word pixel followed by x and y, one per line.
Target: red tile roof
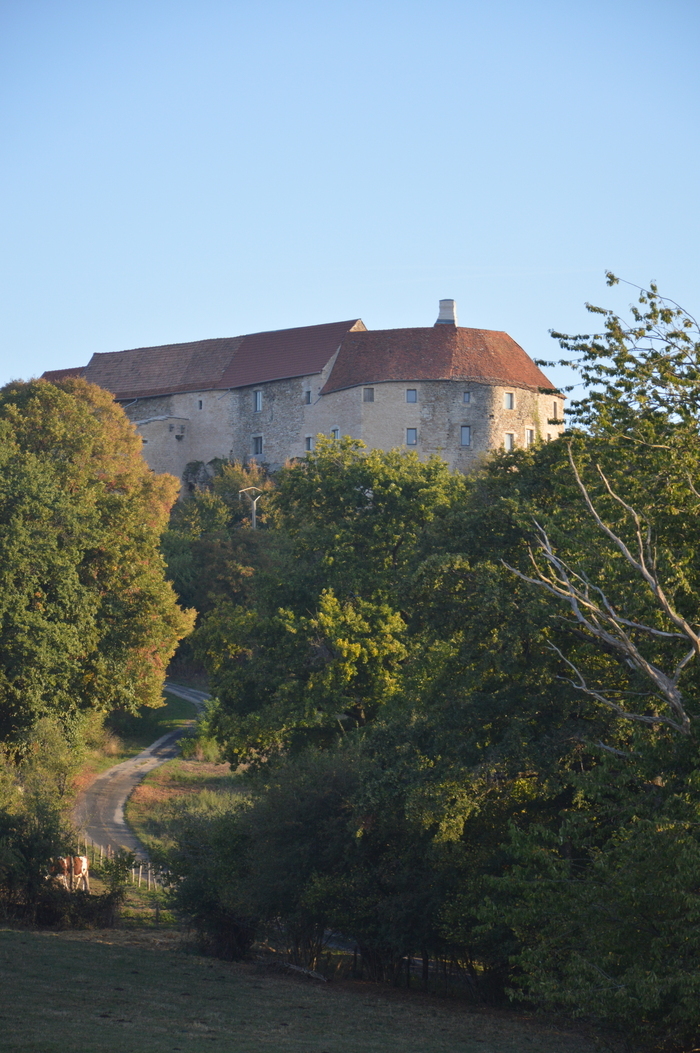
pixel 55 375
pixel 229 362
pixel 442 352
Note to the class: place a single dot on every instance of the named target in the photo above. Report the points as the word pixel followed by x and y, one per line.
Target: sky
pixel 173 171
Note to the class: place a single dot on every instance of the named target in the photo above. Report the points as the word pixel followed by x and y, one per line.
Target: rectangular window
pixel 466 435
pixel 411 436
pixel 529 437
pixel 368 394
pixel 200 403
pixel 257 401
pixel 308 442
pixel 466 396
pixel 335 433
pixel 509 440
pixel 257 445
pixel 307 398
pixel 554 410
pixel 509 400
pixel 411 395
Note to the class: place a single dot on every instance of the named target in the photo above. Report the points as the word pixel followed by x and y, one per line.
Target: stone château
pixel 445 390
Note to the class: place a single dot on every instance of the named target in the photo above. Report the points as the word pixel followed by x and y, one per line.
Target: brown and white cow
pixel 71 871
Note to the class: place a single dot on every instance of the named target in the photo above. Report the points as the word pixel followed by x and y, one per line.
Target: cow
pixel 71 871
pixel 79 873
pixel 59 870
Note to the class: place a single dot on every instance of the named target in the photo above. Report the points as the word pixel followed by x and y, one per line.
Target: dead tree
pixel 598 619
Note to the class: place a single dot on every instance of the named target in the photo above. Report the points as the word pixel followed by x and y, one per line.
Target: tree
pixel 87 619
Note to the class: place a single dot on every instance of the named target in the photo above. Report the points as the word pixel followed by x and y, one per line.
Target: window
pixel 509 400
pixel 466 435
pixel 200 403
pixel 411 436
pixel 171 427
pixel 368 394
pixel 307 398
pixel 411 395
pixel 257 401
pixel 308 442
pixel 257 445
pixel 466 396
pixel 554 410
pixel 144 441
pixel 509 440
pixel 529 437
pixel 182 429
pixel 549 436
pixel 335 433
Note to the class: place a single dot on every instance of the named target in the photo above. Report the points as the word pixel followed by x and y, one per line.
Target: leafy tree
pixel 87 619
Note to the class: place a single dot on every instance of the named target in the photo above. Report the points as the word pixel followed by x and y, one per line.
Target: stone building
pixel 457 392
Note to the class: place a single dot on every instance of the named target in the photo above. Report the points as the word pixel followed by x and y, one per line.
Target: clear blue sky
pixel 177 170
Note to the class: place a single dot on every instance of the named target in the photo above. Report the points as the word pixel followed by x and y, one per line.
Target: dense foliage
pixel 471 704
pixel 87 619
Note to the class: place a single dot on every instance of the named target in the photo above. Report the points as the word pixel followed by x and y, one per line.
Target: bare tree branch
pixel 599 619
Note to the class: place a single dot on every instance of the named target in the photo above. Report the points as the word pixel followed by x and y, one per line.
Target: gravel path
pixel 99 811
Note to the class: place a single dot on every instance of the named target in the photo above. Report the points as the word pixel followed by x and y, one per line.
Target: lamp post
pixel 253 501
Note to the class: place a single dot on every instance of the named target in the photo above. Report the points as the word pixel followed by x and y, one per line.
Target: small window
pixel 554 410
pixel 529 437
pixel 200 403
pixel 307 398
pixel 257 445
pixel 171 427
pixel 368 394
pixel 411 436
pixel 182 429
pixel 335 433
pixel 465 435
pixel 509 440
pixel 466 396
pixel 257 401
pixel 549 436
pixel 509 400
pixel 308 442
pixel 411 395
pixel 144 441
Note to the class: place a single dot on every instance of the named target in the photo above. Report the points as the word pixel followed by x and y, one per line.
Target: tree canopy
pixel 87 619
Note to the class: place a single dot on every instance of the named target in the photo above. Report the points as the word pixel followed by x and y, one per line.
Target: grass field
pixel 123 992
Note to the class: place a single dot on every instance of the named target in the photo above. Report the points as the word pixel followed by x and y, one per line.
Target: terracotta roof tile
pixel 205 365
pixel 54 375
pixel 442 352
pixel 286 353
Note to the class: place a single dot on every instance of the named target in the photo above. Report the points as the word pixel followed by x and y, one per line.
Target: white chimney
pixel 448 313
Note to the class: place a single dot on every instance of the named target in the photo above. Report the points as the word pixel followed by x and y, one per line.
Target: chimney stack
pixel 448 313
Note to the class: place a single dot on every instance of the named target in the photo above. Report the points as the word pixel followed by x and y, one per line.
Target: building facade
pixel 448 390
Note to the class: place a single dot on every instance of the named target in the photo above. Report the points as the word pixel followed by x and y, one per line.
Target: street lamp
pixel 253 500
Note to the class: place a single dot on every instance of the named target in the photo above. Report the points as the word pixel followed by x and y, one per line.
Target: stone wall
pixel 286 415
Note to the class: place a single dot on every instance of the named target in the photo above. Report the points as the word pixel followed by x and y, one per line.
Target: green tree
pixel 88 621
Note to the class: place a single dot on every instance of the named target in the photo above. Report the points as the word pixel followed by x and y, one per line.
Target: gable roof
pixel 443 352
pixel 55 375
pixel 205 365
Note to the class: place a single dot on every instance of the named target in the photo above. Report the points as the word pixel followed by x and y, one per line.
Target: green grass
pixel 64 994
pixel 157 802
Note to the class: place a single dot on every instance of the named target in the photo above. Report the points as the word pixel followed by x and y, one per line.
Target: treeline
pixel 469 704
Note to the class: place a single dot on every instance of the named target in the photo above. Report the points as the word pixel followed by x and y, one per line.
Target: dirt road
pixel 99 811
